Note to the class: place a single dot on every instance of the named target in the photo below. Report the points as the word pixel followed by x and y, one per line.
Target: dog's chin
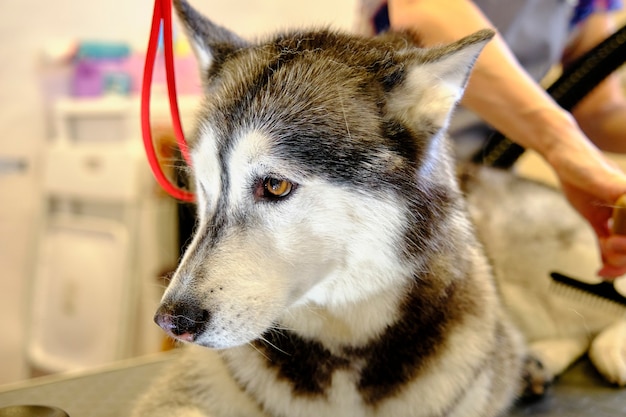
pixel 222 341
pixel 218 345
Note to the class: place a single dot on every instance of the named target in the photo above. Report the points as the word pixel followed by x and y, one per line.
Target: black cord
pixel 577 80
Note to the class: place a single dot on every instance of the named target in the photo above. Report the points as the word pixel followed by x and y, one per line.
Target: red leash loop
pixel 162 13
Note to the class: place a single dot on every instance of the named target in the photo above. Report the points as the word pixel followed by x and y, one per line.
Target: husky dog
pixel 529 230
pixel 335 270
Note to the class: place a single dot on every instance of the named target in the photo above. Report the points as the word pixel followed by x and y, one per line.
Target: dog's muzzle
pixel 182 321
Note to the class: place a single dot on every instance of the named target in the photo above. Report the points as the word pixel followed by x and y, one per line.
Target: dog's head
pixel 320 171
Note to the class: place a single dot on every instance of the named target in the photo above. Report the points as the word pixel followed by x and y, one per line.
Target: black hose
pixel 577 80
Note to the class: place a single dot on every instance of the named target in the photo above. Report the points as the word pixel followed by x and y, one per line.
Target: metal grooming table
pixel 579 392
pixel 111 391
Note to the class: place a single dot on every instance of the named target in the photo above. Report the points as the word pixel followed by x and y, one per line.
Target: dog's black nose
pixel 182 321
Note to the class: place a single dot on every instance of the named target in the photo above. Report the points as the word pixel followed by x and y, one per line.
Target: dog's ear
pixel 211 43
pixel 435 79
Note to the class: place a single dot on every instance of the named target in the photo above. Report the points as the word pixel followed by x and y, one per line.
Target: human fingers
pixel 613 250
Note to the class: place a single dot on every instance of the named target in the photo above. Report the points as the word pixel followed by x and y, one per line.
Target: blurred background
pixel 85 234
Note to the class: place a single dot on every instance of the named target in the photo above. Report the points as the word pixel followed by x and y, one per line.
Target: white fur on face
pixel 361 233
pixel 207 171
pixel 246 164
pixel 324 244
pixel 207 176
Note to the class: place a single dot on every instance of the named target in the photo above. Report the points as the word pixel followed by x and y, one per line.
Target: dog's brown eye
pixel 275 187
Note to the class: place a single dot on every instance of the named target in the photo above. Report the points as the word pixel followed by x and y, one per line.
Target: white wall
pixel 26 26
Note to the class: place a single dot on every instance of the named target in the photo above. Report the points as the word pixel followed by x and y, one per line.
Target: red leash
pixel 162 13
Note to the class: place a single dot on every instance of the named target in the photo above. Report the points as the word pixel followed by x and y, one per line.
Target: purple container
pixel 95 77
pixel 87 80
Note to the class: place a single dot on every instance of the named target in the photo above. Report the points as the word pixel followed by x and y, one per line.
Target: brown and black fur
pixel 363 291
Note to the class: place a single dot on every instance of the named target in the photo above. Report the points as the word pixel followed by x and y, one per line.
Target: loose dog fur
pixel 335 270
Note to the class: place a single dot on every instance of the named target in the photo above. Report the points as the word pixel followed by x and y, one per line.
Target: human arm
pixel 505 96
pixel 602 113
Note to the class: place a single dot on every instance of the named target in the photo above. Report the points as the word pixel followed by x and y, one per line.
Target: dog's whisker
pixel 183 317
pixel 264 340
pixel 258 350
pixel 281 328
pixel 159 286
pixel 345 117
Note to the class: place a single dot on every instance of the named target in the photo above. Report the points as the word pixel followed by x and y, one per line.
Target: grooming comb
pixel 604 290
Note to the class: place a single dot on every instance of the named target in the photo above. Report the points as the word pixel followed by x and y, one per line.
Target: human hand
pixel 615 243
pixel 593 185
pixel 613 250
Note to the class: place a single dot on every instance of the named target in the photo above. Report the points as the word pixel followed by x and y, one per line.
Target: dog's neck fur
pixel 353 323
pixel 386 339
